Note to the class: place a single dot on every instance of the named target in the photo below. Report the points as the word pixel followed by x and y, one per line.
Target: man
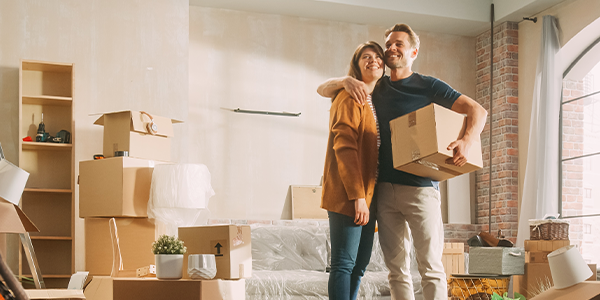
pixel 402 198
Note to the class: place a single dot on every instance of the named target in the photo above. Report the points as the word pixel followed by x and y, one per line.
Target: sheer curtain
pixel 540 189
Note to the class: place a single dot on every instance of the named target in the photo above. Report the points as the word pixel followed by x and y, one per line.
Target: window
pixel 580 150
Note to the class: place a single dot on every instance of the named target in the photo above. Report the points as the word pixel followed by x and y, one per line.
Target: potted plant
pixel 168 254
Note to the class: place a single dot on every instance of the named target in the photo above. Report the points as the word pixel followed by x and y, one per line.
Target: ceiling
pixel 460 17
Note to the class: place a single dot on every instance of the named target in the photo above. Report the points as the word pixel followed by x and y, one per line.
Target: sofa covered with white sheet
pixel 291 262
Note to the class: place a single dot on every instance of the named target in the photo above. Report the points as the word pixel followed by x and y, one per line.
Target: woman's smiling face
pixel 371 65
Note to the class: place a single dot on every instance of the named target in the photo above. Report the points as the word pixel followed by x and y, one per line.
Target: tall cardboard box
pixel 420 140
pixel 115 187
pixel 128 131
pixel 229 243
pixel 136 236
pixel 153 289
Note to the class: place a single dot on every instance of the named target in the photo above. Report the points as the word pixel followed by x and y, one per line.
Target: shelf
pixel 47 100
pixel 51 238
pixel 33 65
pixel 46 146
pixel 40 190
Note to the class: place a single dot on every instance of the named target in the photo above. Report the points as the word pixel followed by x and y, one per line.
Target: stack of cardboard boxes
pixel 537 269
pixel 119 187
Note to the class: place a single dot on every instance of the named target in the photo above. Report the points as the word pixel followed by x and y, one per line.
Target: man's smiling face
pixel 398 51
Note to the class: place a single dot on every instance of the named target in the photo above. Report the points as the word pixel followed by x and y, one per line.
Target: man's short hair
pixel 413 38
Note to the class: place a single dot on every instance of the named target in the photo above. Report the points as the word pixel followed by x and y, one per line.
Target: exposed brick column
pixel 505 129
pixel 573 191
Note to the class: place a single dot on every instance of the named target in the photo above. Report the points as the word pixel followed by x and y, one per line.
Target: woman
pixel 350 175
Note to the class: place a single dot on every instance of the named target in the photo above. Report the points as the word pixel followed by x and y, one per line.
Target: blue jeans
pixel 351 246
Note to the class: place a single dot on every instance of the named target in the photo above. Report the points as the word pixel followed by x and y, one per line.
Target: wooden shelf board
pixel 42 190
pixel 35 65
pixel 51 238
pixel 47 100
pixel 46 146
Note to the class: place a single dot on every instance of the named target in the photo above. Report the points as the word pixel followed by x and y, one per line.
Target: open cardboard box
pixel 128 131
pixel 586 290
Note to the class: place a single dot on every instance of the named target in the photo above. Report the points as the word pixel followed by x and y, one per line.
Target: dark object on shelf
pixel 98 156
pixel 65 136
pixel 476 241
pixel 121 153
pixel 42 135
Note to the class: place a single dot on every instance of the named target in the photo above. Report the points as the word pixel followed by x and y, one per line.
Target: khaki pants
pixel 419 208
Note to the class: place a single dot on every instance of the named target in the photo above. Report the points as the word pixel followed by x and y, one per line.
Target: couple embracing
pixel 360 184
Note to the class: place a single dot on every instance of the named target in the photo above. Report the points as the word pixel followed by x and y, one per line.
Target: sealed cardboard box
pixel 497 260
pixel 536 256
pixel 229 243
pixel 115 187
pixel 545 245
pixel 142 135
pixel 136 236
pixel 185 289
pixel 420 140
pixel 306 202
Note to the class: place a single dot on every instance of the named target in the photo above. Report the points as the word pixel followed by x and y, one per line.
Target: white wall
pixel 275 63
pixel 128 55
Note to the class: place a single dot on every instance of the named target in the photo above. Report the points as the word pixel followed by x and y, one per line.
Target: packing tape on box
pixel 437 167
pixel 238 239
pixel 412 119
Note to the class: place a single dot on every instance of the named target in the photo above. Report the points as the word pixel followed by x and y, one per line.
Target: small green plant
pixel 517 296
pixel 168 245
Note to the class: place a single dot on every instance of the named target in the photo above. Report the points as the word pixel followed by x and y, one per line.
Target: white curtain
pixel 540 189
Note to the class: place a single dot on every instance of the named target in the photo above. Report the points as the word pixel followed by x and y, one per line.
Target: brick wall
pixel 573 191
pixel 505 129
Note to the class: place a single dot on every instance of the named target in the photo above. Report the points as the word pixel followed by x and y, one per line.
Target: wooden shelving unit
pixel 48 199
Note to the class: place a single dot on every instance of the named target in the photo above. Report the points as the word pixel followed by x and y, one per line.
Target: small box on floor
pixel 185 289
pixel 420 140
pixel 229 243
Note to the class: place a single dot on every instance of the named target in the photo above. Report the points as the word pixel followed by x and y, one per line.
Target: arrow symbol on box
pixel 218 246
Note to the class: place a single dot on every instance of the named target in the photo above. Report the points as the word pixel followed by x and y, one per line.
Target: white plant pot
pixel 169 266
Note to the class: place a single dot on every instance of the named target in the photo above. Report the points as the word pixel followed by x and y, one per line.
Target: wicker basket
pixel 476 287
pixel 548 229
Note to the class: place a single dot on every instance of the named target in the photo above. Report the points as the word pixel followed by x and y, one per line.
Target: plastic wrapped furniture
pixel 290 263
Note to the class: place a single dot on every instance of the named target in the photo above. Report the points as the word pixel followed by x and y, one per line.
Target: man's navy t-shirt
pixel 393 99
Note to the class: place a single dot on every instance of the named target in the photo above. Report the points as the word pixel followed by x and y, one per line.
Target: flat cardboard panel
pixel 55 294
pixel 151 288
pixel 13 220
pixel 100 288
pixel 41 205
pixel 306 202
pixel 536 274
pixel 536 256
pixel 420 140
pixel 582 291
pixel 136 236
pixel 230 244
pixel 115 187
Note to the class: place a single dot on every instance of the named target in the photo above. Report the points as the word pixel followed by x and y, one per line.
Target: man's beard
pixel 399 64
